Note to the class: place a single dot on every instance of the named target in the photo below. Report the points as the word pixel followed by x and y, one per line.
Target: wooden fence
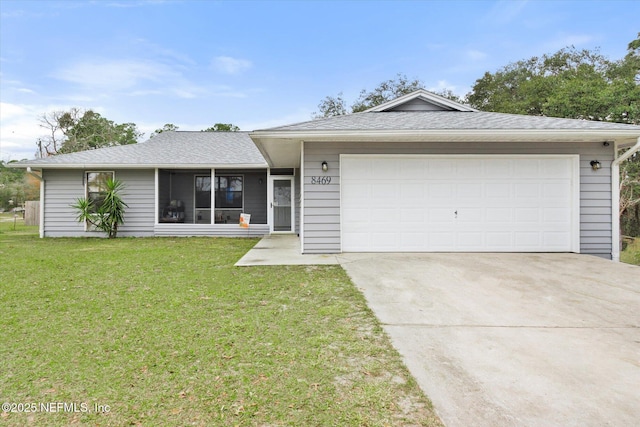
pixel 32 213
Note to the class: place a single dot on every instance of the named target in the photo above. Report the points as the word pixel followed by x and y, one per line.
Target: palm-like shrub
pixel 109 214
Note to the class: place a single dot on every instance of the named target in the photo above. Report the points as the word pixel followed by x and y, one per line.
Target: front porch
pixel 196 202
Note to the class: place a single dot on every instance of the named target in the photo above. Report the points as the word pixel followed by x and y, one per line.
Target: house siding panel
pixel 322 211
pixel 64 187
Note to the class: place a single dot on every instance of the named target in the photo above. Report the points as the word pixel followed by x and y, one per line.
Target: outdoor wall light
pixel 605 144
pixel 325 166
pixel 595 165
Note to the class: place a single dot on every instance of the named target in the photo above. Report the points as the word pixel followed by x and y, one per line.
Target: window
pixel 203 192
pixel 229 192
pixel 97 187
pixel 228 199
pixel 202 208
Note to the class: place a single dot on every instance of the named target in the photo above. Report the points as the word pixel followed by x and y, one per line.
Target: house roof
pixel 426 117
pixel 168 149
pixel 447 120
pixel 420 99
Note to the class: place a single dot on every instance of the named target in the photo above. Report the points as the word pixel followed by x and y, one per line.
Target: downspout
pixel 615 198
pixel 39 178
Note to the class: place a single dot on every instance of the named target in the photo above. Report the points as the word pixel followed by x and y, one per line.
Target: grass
pixel 631 254
pixel 164 331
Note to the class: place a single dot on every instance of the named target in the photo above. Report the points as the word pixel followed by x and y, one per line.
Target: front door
pixel 282 206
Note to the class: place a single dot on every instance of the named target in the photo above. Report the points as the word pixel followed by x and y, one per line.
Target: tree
pixel 386 91
pixel 572 84
pixel 331 106
pixel 16 186
pixel 109 214
pixel 222 127
pixel 569 83
pixel 169 127
pixel 79 130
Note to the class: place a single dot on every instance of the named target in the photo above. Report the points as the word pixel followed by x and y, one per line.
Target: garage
pixel 464 203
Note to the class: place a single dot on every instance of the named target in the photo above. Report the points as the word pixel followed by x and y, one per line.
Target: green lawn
pixel 631 254
pixel 164 331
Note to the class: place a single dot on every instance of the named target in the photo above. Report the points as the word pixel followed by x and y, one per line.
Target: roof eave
pixel 94 166
pixel 443 135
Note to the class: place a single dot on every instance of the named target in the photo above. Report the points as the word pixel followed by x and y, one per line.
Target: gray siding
pixel 322 202
pixel 64 187
pixel 255 195
pixel 139 195
pixel 224 230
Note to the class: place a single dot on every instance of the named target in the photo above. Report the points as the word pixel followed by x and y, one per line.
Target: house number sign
pixel 320 180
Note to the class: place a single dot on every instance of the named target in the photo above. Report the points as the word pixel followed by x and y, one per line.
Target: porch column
pixel 213 196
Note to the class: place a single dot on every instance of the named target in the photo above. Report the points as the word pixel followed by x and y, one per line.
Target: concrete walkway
pixel 282 249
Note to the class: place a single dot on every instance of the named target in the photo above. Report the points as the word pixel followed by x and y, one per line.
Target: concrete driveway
pixel 512 339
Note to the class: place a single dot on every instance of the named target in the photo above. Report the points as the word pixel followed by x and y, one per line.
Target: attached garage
pixel 490 203
pixel 422 173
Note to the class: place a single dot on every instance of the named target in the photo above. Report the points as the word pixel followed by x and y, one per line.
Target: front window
pixel 229 198
pixel 203 199
pixel 97 187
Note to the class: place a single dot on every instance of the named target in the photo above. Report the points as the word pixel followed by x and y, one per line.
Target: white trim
pixel 86 189
pixel 271 221
pixel 301 197
pixel 575 181
pixel 156 196
pixel 456 135
pixel 42 199
pixel 269 201
pixel 426 96
pixel 615 196
pixel 213 197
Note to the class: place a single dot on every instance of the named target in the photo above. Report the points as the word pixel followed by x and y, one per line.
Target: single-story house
pixel 420 173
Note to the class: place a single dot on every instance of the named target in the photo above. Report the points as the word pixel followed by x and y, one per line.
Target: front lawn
pixel 164 331
pixel 631 254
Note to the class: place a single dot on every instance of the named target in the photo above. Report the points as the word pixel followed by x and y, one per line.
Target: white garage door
pixel 459 204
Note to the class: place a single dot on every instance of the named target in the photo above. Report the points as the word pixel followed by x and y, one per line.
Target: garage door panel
pixel 413 169
pixel 440 190
pixel 469 168
pixel 441 215
pixel 499 215
pixel 469 189
pixel 439 168
pixel 470 241
pixel 412 217
pixel 559 190
pixel 555 215
pixel 526 190
pixel 428 203
pixel 383 217
pixel 528 168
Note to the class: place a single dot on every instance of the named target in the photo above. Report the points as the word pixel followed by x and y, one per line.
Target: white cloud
pixel 229 65
pixel 18 131
pixel 113 74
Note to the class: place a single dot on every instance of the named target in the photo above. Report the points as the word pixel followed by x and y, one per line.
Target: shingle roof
pixel 446 120
pixel 177 149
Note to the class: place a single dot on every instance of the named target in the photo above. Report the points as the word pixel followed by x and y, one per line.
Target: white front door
pixel 491 203
pixel 282 206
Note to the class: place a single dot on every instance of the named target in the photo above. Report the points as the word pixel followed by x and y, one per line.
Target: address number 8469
pixel 320 180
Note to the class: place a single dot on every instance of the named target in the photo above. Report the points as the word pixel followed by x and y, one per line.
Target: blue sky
pixel 262 64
